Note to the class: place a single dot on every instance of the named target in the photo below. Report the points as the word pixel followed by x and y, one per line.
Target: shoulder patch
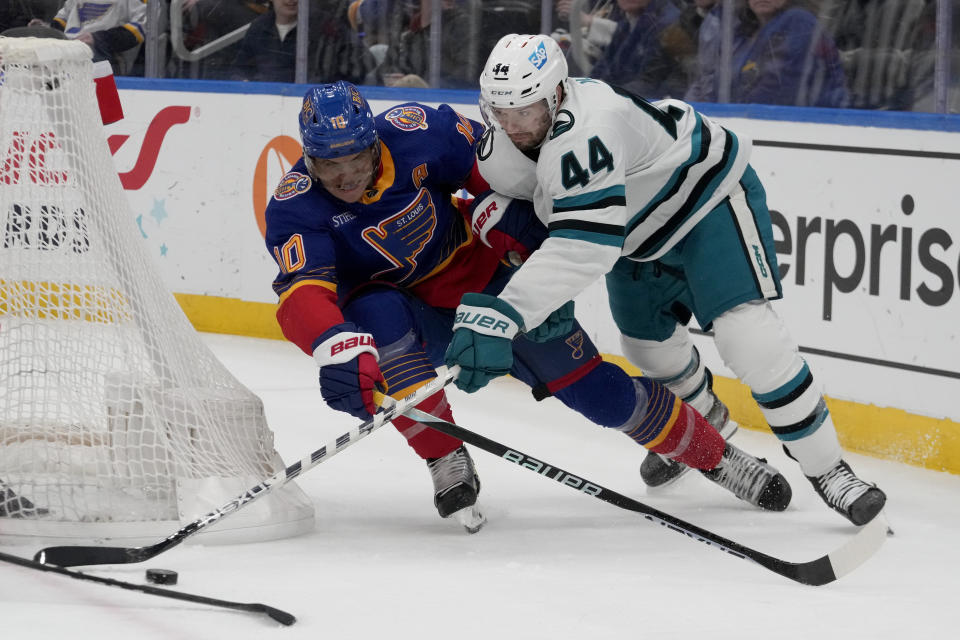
pixel 485 148
pixel 563 123
pixel 294 183
pixel 407 118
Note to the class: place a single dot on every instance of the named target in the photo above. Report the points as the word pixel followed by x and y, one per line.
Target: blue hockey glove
pixel 482 341
pixel 559 323
pixel 349 373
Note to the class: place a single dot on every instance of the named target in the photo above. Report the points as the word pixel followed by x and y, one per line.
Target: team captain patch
pixel 407 118
pixel 292 184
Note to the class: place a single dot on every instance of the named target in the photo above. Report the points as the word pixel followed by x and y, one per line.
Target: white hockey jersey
pixel 81 16
pixel 617 177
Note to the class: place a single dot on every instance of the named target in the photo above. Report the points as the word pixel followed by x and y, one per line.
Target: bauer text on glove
pixel 349 373
pixel 482 343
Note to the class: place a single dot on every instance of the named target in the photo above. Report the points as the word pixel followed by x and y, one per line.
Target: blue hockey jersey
pixel 407 230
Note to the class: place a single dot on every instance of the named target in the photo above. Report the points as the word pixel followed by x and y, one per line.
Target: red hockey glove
pixel 507 225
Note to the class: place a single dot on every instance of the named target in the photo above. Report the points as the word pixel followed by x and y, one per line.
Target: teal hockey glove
pixel 559 323
pixel 482 343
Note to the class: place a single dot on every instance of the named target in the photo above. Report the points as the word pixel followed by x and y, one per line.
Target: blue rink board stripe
pixel 849 117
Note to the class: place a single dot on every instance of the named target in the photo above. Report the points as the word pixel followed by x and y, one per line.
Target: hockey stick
pixel 282 617
pixel 825 569
pixel 72 556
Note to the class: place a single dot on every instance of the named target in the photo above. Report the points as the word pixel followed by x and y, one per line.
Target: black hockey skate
pixel 14 506
pixel 657 471
pixel 456 486
pixel 751 479
pixel 856 500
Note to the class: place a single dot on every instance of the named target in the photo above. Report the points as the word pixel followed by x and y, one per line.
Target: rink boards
pixel 864 206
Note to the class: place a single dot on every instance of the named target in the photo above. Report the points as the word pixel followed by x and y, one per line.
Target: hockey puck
pixel 161 576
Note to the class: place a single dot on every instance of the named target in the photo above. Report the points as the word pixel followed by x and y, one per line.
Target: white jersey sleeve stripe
pixel 608 235
pixel 600 199
pixel 689 194
pixel 700 147
pixel 703 189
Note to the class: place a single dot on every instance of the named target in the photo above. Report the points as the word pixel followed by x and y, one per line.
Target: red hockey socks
pixel 424 440
pixel 676 430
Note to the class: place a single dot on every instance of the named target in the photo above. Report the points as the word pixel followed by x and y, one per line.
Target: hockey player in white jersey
pixel 662 202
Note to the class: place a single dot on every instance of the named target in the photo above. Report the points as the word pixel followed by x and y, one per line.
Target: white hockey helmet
pixel 522 70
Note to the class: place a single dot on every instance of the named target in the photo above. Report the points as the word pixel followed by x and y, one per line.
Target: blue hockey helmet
pixel 335 121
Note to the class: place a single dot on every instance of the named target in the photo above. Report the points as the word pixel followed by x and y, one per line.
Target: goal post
pixel 116 421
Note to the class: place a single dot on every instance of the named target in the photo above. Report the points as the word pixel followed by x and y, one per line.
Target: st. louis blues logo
pixel 575 342
pixel 539 56
pixel 292 184
pixel 407 118
pixel 357 98
pixel 306 111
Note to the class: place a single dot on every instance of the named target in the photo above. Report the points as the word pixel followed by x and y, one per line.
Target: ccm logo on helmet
pixel 351 343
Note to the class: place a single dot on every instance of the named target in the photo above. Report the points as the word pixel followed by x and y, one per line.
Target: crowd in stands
pixel 870 54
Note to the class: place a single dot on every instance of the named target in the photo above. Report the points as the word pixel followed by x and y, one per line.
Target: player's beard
pixel 530 140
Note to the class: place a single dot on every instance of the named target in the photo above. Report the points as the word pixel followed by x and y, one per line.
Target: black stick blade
pixel 76 556
pixel 282 617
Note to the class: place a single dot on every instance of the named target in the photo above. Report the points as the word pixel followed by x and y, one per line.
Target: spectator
pixel 336 51
pixel 596 31
pixel 379 25
pixel 206 20
pixel 782 56
pixel 22 13
pixel 13 14
pixel 381 21
pixel 637 58
pixel 412 56
pixel 114 29
pixel 699 25
pixel 268 51
pixel 500 17
pixel 920 74
pixel 876 43
pixel 468 28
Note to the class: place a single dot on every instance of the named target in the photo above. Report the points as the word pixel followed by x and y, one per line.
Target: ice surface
pixel 551 562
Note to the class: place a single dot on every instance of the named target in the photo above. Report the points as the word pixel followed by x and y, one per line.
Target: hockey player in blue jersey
pixel 661 201
pixel 374 254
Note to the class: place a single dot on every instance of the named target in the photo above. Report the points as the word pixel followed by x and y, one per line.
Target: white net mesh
pixel 115 418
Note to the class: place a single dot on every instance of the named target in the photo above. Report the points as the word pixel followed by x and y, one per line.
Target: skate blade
pixel 664 487
pixel 730 430
pixel 471 518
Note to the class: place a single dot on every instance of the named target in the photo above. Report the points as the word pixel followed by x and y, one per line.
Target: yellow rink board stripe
pixel 882 432
pixel 877 431
pixel 63 301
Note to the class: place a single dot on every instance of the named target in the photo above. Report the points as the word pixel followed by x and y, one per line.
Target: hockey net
pixel 116 420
